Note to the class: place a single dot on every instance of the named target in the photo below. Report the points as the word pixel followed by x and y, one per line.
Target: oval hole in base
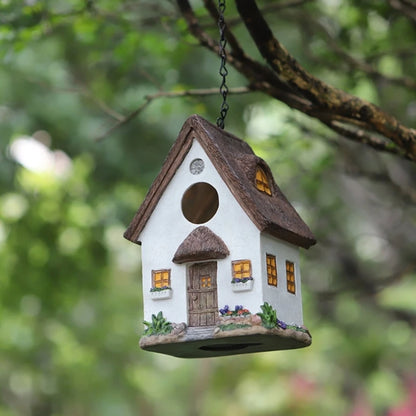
pixel 228 347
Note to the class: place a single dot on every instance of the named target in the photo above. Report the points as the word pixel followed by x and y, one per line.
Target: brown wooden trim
pixel 174 159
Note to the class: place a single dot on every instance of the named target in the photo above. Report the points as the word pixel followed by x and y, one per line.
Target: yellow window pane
pixel 262 182
pixel 206 281
pixel 290 277
pixel 160 278
pixel 241 269
pixel 271 270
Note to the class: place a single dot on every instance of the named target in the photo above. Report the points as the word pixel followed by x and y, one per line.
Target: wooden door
pixel 202 294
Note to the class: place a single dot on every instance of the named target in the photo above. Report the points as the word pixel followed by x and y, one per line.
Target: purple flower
pixel 224 310
pixel 282 324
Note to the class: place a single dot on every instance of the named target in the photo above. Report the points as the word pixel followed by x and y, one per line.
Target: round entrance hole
pixel 200 202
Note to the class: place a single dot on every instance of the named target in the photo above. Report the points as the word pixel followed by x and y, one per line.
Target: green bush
pixel 158 326
pixel 268 316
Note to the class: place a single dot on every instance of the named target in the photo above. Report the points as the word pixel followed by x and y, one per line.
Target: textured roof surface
pixel 236 163
pixel 201 244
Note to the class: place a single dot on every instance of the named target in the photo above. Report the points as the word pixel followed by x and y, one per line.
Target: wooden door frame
pixel 207 316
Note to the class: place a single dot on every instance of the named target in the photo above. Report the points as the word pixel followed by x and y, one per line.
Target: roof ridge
pixel 272 214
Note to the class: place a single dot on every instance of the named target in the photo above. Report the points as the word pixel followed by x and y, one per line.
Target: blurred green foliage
pixel 70 292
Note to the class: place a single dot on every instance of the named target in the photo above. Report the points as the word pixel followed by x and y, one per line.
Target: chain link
pixel 223 69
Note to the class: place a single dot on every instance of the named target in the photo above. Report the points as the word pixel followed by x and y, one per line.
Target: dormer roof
pixel 237 164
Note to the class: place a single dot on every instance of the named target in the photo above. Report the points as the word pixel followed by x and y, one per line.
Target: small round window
pixel 200 202
pixel 196 166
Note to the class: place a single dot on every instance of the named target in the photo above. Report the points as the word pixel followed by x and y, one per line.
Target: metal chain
pixel 223 69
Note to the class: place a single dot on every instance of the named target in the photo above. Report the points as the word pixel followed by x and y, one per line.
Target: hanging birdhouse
pixel 220 251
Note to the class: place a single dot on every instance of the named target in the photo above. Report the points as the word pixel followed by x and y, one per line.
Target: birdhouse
pixel 220 251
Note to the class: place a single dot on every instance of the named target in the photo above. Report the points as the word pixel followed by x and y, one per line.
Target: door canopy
pixel 201 244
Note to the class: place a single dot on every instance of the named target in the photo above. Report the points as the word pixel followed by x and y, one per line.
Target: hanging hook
pixel 223 69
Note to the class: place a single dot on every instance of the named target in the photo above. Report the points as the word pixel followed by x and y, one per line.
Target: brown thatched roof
pixel 201 244
pixel 236 163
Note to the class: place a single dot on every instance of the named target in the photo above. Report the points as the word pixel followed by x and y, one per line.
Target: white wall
pixel 287 305
pixel 167 228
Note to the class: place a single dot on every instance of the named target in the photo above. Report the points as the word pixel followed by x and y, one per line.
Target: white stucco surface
pixel 287 305
pixel 167 228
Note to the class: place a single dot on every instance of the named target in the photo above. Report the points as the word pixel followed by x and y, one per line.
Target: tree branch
pixel 167 94
pixel 286 80
pixel 332 100
pixel 406 7
pixel 270 8
pixel 361 136
pixel 353 62
pixel 261 77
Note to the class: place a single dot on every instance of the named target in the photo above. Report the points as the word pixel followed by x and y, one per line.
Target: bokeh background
pixel 70 287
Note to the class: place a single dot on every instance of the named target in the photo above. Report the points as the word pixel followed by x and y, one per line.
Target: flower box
pixel 242 286
pixel 161 294
pixel 239 311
